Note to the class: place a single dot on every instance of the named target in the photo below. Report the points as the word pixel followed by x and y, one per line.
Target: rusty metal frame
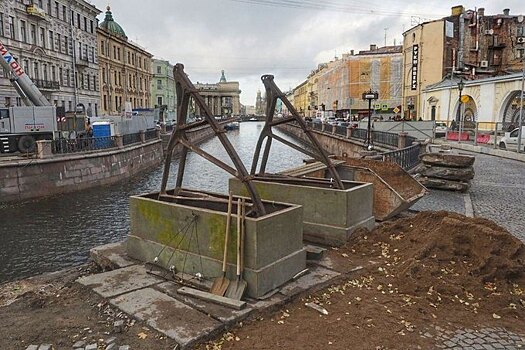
pixel 272 94
pixel 185 90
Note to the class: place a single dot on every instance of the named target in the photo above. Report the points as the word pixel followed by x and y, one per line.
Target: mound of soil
pixel 444 256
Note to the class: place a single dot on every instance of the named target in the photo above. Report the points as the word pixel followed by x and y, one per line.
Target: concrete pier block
pixel 330 215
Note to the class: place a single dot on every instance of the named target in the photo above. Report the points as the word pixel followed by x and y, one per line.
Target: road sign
pixel 396 110
pixel 465 98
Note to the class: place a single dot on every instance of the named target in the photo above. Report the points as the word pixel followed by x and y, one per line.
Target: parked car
pixel 510 140
pixel 440 129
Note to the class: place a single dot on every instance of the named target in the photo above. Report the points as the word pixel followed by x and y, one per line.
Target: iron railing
pixel 406 158
pixel 359 134
pixel 385 138
pixel 82 144
pixel 150 134
pixel 340 130
pixel 128 139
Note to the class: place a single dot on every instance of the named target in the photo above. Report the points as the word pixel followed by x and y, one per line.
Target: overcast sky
pixel 286 38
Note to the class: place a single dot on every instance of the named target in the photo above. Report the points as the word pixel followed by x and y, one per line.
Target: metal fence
pixel 128 139
pixel 385 138
pixel 406 158
pixel 150 134
pixel 359 134
pixel 84 144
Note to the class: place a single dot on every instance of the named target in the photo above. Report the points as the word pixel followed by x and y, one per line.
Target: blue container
pixel 102 131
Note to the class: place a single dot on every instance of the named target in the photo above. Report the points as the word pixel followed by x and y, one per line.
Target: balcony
pixel 82 63
pixel 47 84
pixel 35 12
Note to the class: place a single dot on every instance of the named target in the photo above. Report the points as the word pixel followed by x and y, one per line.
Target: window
pixel 44 70
pixel 159 100
pixel 23 31
pixel 53 73
pixel 1 24
pixel 59 42
pixel 42 37
pixel 85 24
pixel 91 26
pixel 520 31
pixel 70 106
pixel 129 58
pixel 64 13
pixel 40 4
pixel 82 80
pixel 118 53
pixel 57 11
pixel 114 52
pixel 105 103
pixel 49 7
pixel 159 69
pixel 103 75
pixel 159 84
pixel 115 81
pixel 78 20
pixel 68 79
pixel 12 27
pixel 60 76
pixel 79 51
pixel 33 34
pixel 72 17
pixel 51 41
pixel 66 46
pixel 88 82
pixel 35 69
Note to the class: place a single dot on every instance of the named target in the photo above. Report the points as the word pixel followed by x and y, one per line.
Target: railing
pixel 406 158
pixel 359 134
pixel 169 128
pixel 47 84
pixel 385 138
pixel 83 144
pixel 150 134
pixel 131 138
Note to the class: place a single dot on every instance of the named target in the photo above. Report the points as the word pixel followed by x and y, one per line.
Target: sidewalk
pixel 485 149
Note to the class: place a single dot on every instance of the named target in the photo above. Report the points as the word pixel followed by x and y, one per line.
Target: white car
pixel 440 129
pixel 510 140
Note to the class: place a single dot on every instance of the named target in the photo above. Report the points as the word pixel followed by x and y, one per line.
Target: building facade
pixel 163 87
pixel 124 68
pixel 222 98
pixel 468 43
pixel 55 43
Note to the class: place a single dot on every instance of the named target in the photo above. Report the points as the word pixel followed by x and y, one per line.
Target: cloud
pixel 248 40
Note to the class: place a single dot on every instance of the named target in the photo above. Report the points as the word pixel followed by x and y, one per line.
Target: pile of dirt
pixel 444 256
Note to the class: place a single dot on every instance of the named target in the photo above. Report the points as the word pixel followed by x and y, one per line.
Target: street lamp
pixel 461 85
pixel 369 95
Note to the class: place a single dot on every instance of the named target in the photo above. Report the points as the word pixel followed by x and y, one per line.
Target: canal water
pixel 57 232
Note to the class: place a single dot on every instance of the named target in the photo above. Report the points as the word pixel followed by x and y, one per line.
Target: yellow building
pixel 124 69
pixel 300 98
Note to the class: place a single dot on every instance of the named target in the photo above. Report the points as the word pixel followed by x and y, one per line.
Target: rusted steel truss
pixel 272 94
pixel 185 90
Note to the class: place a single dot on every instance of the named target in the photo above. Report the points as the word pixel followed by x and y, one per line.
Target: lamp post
pixel 461 85
pixel 521 103
pixel 369 95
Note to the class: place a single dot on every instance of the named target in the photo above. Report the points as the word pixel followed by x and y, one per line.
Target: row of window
pixel 132 57
pixel 59 11
pixel 135 103
pixel 133 79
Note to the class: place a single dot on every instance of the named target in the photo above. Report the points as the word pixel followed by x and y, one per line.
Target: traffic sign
pixel 396 110
pixel 465 98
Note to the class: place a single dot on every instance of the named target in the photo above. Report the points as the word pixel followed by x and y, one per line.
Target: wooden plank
pixel 235 304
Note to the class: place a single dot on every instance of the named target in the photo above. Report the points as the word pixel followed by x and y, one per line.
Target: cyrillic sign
pixel 415 59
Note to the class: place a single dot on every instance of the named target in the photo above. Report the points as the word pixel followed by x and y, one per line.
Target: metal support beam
pixel 185 91
pixel 272 94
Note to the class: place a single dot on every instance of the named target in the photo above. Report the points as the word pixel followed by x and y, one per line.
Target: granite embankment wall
pixel 33 178
pixel 24 179
pixel 333 143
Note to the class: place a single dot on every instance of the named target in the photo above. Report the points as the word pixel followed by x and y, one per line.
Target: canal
pixel 57 232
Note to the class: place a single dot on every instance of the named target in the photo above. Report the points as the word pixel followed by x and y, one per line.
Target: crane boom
pixel 20 79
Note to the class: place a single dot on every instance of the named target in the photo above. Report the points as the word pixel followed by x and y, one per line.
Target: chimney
pixel 352 52
pixel 506 12
pixel 481 12
pixel 373 47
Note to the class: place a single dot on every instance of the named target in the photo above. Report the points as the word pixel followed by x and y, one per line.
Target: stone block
pixel 32 347
pixel 112 283
pixel 111 256
pixel 330 214
pixel 167 315
pixel 191 239
pixel 93 346
pixel 79 344
pixel 317 276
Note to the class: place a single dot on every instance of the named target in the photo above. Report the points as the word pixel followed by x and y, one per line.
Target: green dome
pixel 111 26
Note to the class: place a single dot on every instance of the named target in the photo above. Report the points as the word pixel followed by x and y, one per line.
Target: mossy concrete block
pixel 191 239
pixel 330 214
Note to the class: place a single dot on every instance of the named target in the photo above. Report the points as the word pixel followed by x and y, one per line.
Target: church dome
pixel 111 26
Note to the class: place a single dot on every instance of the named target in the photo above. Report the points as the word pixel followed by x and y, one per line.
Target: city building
pixel 124 69
pixel 223 98
pixel 468 43
pixel 335 88
pixel 260 104
pixel 163 87
pixel 55 43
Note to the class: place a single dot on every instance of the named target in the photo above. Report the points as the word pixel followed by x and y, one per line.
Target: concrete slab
pixel 222 313
pixel 167 315
pixel 317 277
pixel 111 256
pixel 112 283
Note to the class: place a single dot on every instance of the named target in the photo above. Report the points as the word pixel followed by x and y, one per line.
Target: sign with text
pixel 415 59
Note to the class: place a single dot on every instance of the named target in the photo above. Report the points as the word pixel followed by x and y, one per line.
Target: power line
pixel 330 6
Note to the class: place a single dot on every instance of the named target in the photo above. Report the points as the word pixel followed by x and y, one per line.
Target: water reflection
pixel 57 232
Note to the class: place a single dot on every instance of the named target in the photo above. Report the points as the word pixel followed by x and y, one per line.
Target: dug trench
pixel 408 284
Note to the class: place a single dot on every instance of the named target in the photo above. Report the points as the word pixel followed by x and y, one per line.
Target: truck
pixel 22 126
pixel 510 140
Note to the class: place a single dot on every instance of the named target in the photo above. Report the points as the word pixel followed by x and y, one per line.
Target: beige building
pixel 124 69
pixel 223 98
pixel 301 100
